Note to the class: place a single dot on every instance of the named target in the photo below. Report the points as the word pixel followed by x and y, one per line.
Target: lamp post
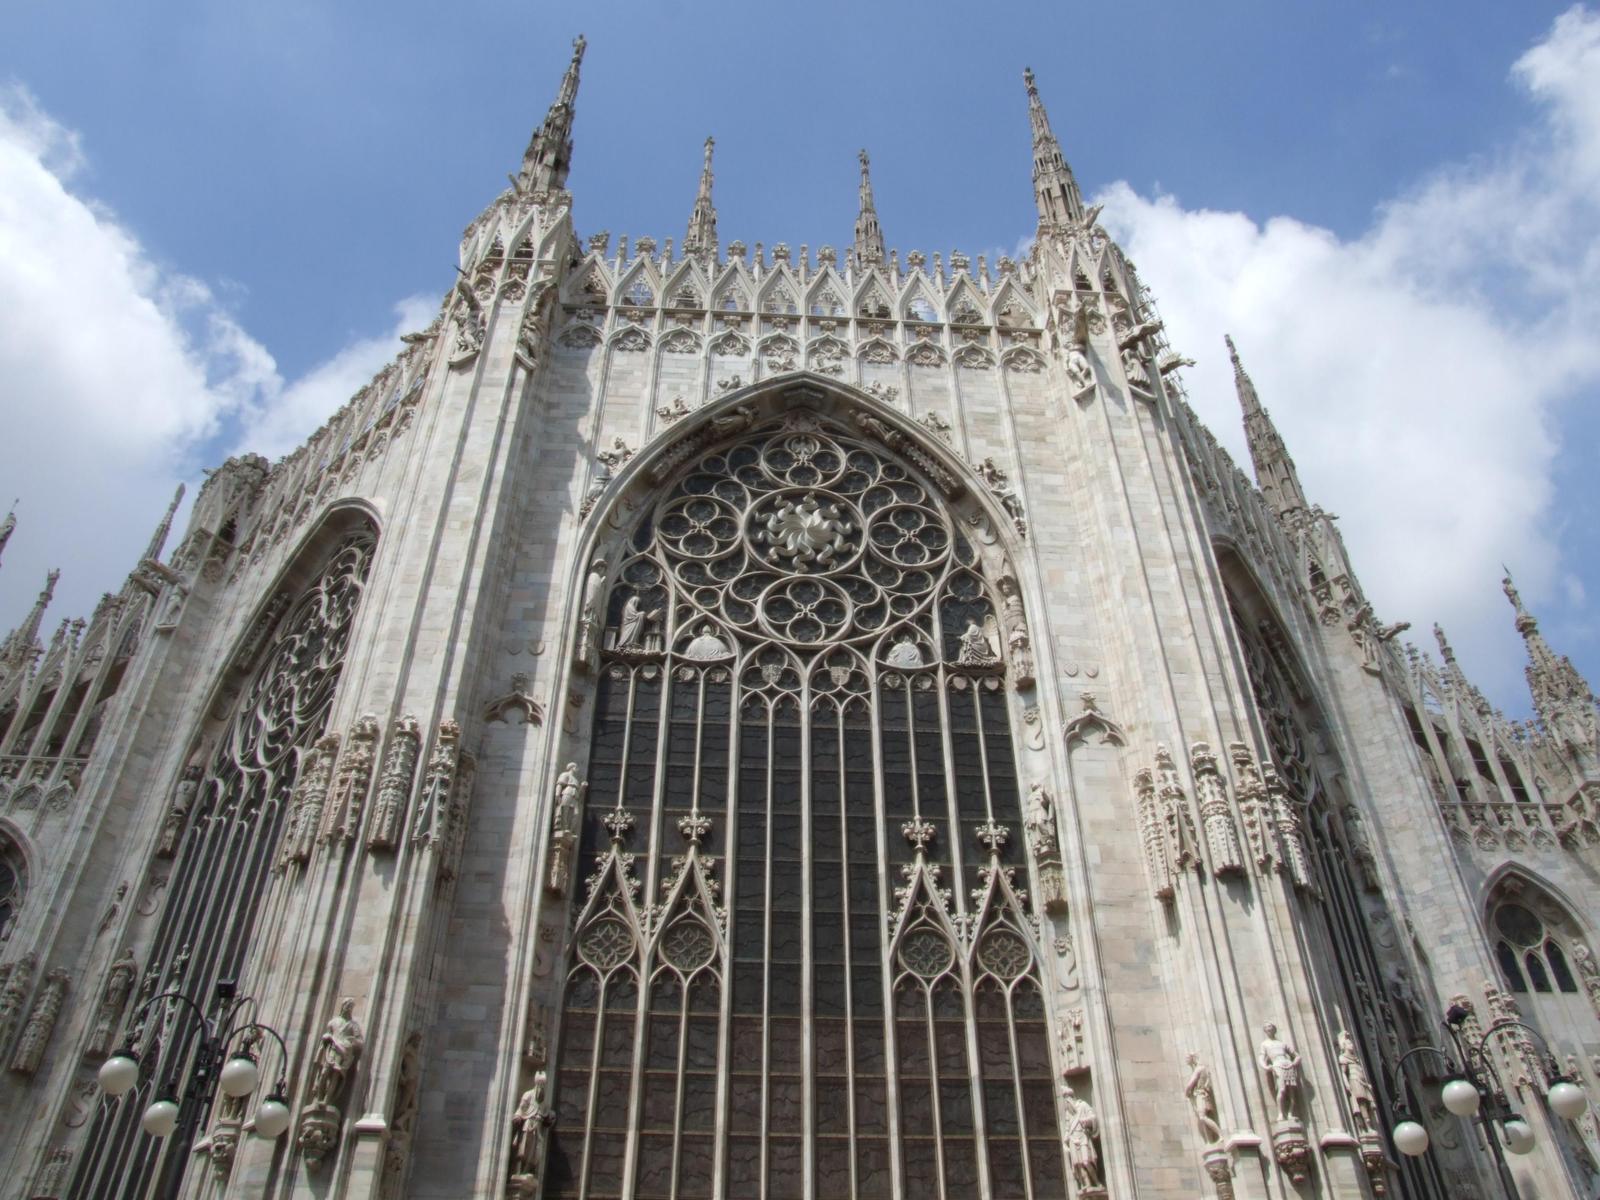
pixel 236 1071
pixel 1473 1088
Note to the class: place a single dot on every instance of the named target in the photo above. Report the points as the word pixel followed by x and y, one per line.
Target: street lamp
pixel 1474 1089
pixel 240 1073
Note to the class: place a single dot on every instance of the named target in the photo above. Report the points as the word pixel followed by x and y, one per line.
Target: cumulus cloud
pixel 120 375
pixel 1420 371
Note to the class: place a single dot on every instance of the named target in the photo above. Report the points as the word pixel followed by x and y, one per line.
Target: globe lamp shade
pixel 161 1118
pixel 1568 1100
pixel 1461 1098
pixel 272 1117
pixel 239 1076
pixel 1411 1139
pixel 1519 1136
pixel 119 1073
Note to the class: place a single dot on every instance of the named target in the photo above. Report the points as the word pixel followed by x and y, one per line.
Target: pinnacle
pixel 549 155
pixel 869 234
pixel 1055 190
pixel 702 235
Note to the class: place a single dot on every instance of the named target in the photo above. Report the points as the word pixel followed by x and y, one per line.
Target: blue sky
pixel 272 192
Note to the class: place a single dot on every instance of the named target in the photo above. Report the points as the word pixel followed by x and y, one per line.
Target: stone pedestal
pixel 1291 1150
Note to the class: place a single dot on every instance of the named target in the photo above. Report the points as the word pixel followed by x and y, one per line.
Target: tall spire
pixel 6 527
pixel 1275 473
pixel 702 236
pixel 158 539
pixel 17 651
pixel 549 154
pixel 869 234
pixel 1054 189
pixel 1561 696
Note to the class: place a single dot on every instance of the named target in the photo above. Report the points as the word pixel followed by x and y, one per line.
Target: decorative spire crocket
pixel 158 539
pixel 19 648
pixel 1275 473
pixel 702 236
pixel 1054 189
pixel 869 234
pixel 1561 696
pixel 549 154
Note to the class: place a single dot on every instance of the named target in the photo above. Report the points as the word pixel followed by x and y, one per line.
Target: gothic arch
pixel 803 822
pixel 226 819
pixel 16 868
pixel 1538 942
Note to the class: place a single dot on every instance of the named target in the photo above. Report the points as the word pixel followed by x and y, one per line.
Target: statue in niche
pixel 905 653
pixel 636 625
pixel 1355 830
pixel 527 1130
pixel 975 650
pixel 1202 1099
pixel 589 618
pixel 340 1047
pixel 1080 1131
pixel 1357 1086
pixel 178 811
pixel 564 831
pixel 1039 820
pixel 1282 1065
pixel 121 977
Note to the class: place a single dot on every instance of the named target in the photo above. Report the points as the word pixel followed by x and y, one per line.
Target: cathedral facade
pixel 732 723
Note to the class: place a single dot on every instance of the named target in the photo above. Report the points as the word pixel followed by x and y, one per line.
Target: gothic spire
pixel 6 527
pixel 1054 189
pixel 158 539
pixel 1275 473
pixel 549 154
pixel 1561 696
pixel 869 234
pixel 18 648
pixel 702 236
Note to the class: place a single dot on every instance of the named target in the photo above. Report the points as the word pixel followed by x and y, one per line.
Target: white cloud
pixel 117 374
pixel 1417 372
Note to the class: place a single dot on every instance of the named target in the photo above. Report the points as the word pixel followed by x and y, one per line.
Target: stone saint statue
pixel 569 788
pixel 635 622
pixel 527 1129
pixel 1202 1100
pixel 975 650
pixel 1282 1065
pixel 1079 373
pixel 1079 1131
pixel 1357 1086
pixel 336 1056
pixel 1037 820
pixel 124 973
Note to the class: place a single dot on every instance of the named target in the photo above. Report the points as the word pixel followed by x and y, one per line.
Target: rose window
pixel 926 953
pixel 607 943
pixel 687 945
pixel 1003 954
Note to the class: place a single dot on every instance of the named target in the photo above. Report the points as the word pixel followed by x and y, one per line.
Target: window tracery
pixel 13 886
pixel 227 850
pixel 801 886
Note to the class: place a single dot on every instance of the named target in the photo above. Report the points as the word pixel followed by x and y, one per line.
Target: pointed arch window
pixel 13 886
pixel 803 909
pixel 1529 951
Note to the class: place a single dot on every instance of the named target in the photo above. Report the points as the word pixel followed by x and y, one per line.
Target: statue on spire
pixel 20 648
pixel 549 155
pixel 1561 696
pixel 7 526
pixel 1055 191
pixel 701 239
pixel 869 234
pixel 1275 471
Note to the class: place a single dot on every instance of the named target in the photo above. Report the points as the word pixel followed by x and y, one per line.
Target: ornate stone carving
pixel 305 804
pixel 1202 1100
pixel 52 1181
pixel 1176 817
pixel 1080 1140
pixel 1357 1087
pixel 347 797
pixel 1019 643
pixel 1069 1040
pixel 437 784
pixel 1291 833
pixel 402 1118
pixel 611 461
pixel 394 785
pixel 178 811
pixel 1588 972
pixel 18 984
pixel 1355 832
pixel 531 1118
pixel 337 1053
pixel 1278 1059
pixel 41 1023
pixel 1255 807
pixel 565 828
pixel 1080 375
pixel 590 618
pixel 999 485
pixel 1151 835
pixel 121 978
pixel 1216 814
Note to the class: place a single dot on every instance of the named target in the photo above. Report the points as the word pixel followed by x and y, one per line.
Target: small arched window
pixel 13 884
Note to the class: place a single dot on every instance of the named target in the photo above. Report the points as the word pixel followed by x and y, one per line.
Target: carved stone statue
pixel 1138 374
pixel 1355 831
pixel 635 624
pixel 1079 373
pixel 120 980
pixel 1282 1065
pixel 975 650
pixel 1202 1100
pixel 527 1129
pixel 1039 820
pixel 178 811
pixel 706 646
pixel 1080 1131
pixel 341 1046
pixel 564 828
pixel 1357 1086
pixel 589 615
pixel 41 1023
